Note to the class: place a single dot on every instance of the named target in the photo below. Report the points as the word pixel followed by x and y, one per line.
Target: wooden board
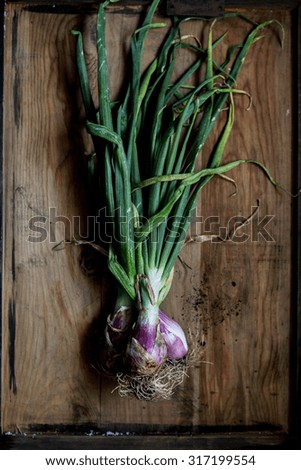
pixel 246 441
pixel 236 295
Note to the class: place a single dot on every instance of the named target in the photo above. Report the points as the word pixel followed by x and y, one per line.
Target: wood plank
pixel 296 324
pixel 225 290
pixel 263 4
pixel 73 2
pixel 237 441
pixel 228 3
pixel 1 178
pixel 49 303
pixel 225 294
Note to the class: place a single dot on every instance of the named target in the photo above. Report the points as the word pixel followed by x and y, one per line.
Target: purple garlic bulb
pixel 118 327
pixel 173 336
pixel 146 350
pixel 115 338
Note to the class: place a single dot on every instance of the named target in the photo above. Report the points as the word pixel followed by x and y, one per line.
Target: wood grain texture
pixel 53 302
pixel 228 3
pixel 236 295
pixel 296 395
pixel 246 441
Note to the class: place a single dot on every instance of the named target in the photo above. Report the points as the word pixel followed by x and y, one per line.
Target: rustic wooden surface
pixel 296 395
pixel 236 295
pixel 245 441
pixel 228 3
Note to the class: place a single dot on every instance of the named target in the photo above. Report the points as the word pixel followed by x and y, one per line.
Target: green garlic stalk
pixel 144 173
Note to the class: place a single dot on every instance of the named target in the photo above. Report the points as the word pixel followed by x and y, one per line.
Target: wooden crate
pixel 242 297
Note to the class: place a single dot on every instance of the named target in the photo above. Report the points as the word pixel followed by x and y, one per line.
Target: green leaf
pixel 120 274
pixel 105 113
pixel 83 78
pixel 124 226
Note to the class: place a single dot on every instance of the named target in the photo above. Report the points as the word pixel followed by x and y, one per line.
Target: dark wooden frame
pixel 216 439
pixel 228 3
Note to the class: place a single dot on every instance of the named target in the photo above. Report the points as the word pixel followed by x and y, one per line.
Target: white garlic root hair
pixel 158 386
